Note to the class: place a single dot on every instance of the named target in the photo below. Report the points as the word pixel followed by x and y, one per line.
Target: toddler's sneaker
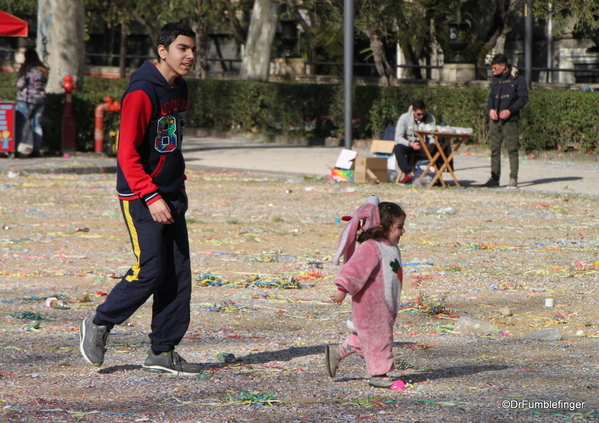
pixel 331 359
pixel 381 381
pixel 170 362
pixel 92 341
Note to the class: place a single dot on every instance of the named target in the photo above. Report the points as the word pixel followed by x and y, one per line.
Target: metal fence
pixel 582 75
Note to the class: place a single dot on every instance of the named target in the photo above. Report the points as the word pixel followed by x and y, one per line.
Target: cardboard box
pixel 390 160
pixel 346 159
pixel 370 169
pixel 382 146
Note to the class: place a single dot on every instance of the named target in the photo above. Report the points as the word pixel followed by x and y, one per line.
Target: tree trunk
pixel 263 24
pixel 123 53
pixel 309 33
pixel 380 60
pixel 495 40
pixel 500 43
pixel 61 33
pixel 201 29
pixel 411 59
pixel 152 28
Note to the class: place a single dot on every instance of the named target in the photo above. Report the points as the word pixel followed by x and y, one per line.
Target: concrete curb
pixel 267 138
pixel 78 163
pixel 365 144
pixel 90 163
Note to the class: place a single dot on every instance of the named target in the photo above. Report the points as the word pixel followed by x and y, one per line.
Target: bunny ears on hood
pixel 366 217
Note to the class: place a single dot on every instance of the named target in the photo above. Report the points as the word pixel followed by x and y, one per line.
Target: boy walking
pixel 150 185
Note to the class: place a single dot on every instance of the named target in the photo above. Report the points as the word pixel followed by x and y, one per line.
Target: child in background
pixel 373 277
pixel 31 95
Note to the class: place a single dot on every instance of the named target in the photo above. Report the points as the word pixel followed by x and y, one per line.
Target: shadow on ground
pixel 123 368
pixel 465 183
pixel 549 181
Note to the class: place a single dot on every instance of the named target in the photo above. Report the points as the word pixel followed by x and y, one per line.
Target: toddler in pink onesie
pixel 372 276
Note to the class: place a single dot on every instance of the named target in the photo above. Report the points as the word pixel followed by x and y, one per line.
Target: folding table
pixel 440 152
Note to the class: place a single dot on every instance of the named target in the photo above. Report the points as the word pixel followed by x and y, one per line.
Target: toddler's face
pixel 397 230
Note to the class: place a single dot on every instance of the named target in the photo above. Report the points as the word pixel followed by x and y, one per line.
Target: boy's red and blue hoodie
pixel 150 163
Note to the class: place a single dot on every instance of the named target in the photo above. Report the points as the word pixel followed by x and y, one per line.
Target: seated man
pixel 406 142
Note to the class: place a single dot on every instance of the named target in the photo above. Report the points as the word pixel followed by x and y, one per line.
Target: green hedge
pixel 291 109
pixel 553 119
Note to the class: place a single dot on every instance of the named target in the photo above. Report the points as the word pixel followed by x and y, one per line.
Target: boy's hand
pixel 338 297
pixel 160 212
pixel 505 114
pixel 415 145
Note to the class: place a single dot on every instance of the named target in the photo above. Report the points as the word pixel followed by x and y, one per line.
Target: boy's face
pixel 418 114
pixel 178 59
pixel 397 230
pixel 498 68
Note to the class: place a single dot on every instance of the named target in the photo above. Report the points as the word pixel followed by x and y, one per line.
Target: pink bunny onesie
pixel 372 276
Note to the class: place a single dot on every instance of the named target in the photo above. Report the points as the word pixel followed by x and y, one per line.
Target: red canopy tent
pixel 11 26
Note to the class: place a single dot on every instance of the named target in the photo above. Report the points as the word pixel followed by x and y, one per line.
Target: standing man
pixel 406 142
pixel 150 185
pixel 508 95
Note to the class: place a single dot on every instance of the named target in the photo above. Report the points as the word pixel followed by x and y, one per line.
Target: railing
pixel 548 69
pixel 230 61
pixel 113 56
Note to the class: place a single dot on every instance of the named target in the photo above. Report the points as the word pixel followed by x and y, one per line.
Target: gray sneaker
pixel 92 341
pixel 331 359
pixel 513 183
pixel 170 362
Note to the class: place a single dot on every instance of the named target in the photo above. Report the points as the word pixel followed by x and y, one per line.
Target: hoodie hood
pixel 148 72
pixel 513 71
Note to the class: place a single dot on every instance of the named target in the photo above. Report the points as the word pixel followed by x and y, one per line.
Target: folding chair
pixel 412 158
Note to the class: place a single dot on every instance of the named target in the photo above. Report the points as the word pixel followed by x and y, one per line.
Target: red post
pixel 68 121
pixel 111 106
pixel 99 128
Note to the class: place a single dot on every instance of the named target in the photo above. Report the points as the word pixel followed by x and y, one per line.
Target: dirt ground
pixel 258 236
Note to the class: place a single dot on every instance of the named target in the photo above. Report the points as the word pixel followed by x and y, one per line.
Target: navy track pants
pixel 162 269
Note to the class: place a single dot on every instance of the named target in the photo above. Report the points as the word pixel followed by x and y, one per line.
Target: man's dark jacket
pixel 508 91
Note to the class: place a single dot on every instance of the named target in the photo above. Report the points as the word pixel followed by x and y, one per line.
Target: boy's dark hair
pixel 170 32
pixel 418 104
pixel 499 59
pixel 387 212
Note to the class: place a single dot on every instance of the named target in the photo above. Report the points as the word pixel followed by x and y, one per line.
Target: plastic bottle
pixel 54 302
pixel 226 357
pixel 467 324
pixel 34 325
pixel 446 210
pixel 548 334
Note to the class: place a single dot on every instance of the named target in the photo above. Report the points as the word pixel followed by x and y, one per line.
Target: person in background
pixel 406 142
pixel 31 84
pixel 507 96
